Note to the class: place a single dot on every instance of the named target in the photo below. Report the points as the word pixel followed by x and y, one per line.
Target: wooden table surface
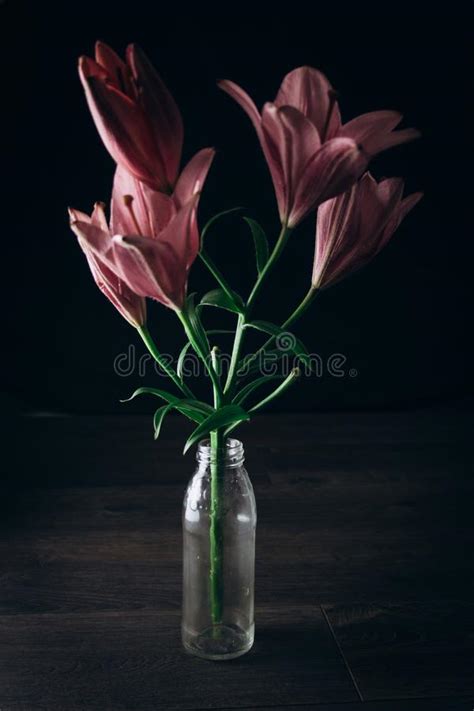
pixel 364 584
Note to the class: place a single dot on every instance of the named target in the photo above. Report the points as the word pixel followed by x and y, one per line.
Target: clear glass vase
pixel 219 521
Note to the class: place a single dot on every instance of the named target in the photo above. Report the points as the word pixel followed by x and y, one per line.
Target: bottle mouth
pixel 232 454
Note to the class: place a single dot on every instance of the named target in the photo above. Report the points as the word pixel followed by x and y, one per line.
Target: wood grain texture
pixel 432 704
pixel 408 649
pixel 134 660
pixel 321 541
pixel 352 509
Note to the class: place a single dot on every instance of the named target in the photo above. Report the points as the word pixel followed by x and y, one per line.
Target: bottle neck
pixel 231 455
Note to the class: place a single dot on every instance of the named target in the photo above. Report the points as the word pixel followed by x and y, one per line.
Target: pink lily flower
pixel 135 115
pixel 153 238
pixel 131 306
pixel 353 227
pixel 311 155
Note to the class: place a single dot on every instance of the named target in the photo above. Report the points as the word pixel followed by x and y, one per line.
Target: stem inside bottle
pixel 216 529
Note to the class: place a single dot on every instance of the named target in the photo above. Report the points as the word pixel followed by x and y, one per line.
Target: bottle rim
pixel 233 452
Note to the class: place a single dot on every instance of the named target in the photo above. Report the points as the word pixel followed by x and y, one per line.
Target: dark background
pixel 403 323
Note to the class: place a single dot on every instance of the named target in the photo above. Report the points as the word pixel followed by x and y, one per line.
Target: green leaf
pixel 182 356
pixel 217 217
pixel 193 409
pixel 227 415
pixel 185 348
pixel 158 418
pixel 164 394
pixel 196 324
pixel 250 387
pixel 289 342
pixel 260 242
pixel 219 298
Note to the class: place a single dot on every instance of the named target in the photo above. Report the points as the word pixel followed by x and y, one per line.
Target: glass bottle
pixel 219 521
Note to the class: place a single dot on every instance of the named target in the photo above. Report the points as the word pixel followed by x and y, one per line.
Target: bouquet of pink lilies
pixel 149 243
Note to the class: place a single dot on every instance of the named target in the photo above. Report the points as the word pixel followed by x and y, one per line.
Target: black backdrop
pixel 403 323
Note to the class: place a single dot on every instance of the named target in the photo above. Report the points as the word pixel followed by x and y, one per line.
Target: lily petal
pixel 192 178
pixel 161 108
pixel 151 269
pixel 122 127
pixel 150 211
pixel 182 234
pixel 332 170
pixel 131 306
pixel 292 140
pixel 309 91
pixel 353 227
pixel 374 131
pixel 244 100
pixel 118 72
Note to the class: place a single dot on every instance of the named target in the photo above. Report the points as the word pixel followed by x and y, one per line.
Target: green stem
pixel 301 308
pixel 295 373
pixel 239 332
pixel 216 587
pixel 151 346
pixel 201 353
pixel 277 250
pixel 216 273
pixel 297 313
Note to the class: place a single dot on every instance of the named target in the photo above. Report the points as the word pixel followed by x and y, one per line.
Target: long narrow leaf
pixel 193 409
pixel 186 347
pixel 250 387
pixel 196 324
pixel 260 243
pixel 289 342
pixel 158 418
pixel 214 219
pixel 181 358
pixel 219 298
pixel 227 415
pixel 164 394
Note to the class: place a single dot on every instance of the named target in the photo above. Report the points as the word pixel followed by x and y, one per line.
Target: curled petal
pixel 182 234
pixel 376 201
pixel 408 204
pixel 90 235
pixel 292 140
pixel 77 216
pixel 336 221
pixel 332 170
pixel 90 69
pixel 403 208
pixel 123 129
pixel 309 91
pixel 151 268
pixel 131 306
pixel 161 109
pixel 374 131
pixel 192 178
pixel 98 217
pixel 380 143
pixel 95 242
pixel 244 100
pixel 353 227
pixel 118 73
pixel 149 212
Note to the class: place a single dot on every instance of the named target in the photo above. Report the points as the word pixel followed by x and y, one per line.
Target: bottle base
pixel 219 642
